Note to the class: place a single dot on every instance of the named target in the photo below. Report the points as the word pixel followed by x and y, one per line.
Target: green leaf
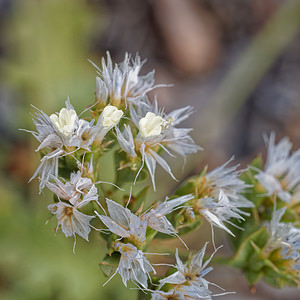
pixel 253 277
pixel 110 238
pixel 246 250
pixel 187 187
pixel 188 227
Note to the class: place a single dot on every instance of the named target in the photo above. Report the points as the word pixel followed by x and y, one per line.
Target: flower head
pixel 56 135
pixel 217 211
pixel 283 247
pixel 75 194
pixel 183 292
pixel 191 274
pixel 284 236
pixel 122 82
pixel 226 179
pixel 124 223
pixel 188 280
pixel 157 130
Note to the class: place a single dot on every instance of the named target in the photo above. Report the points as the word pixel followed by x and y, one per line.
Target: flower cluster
pixel 64 133
pixel 140 136
pixel 269 246
pixel 131 232
pixel 286 237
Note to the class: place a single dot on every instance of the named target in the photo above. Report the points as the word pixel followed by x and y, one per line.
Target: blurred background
pixel 237 62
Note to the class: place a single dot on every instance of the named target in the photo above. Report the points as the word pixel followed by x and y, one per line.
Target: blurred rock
pixel 189 34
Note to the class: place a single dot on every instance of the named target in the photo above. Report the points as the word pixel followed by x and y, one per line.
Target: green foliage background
pixel 46 52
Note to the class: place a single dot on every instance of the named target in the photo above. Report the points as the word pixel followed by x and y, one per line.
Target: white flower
pixel 124 223
pixel 156 130
pixel 133 265
pixel 110 116
pixel 151 125
pixel 281 175
pixel 156 216
pixel 65 121
pixel 71 220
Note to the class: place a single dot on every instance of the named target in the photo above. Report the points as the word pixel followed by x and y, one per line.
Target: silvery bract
pixel 74 189
pixel 122 82
pixel 124 223
pixel 188 278
pixel 227 179
pixel 156 216
pixel 71 220
pixel 133 265
pixel 218 211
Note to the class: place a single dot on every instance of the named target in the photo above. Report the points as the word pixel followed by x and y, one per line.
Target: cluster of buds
pixel 140 134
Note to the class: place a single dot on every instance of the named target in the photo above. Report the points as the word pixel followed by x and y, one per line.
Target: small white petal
pixel 151 125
